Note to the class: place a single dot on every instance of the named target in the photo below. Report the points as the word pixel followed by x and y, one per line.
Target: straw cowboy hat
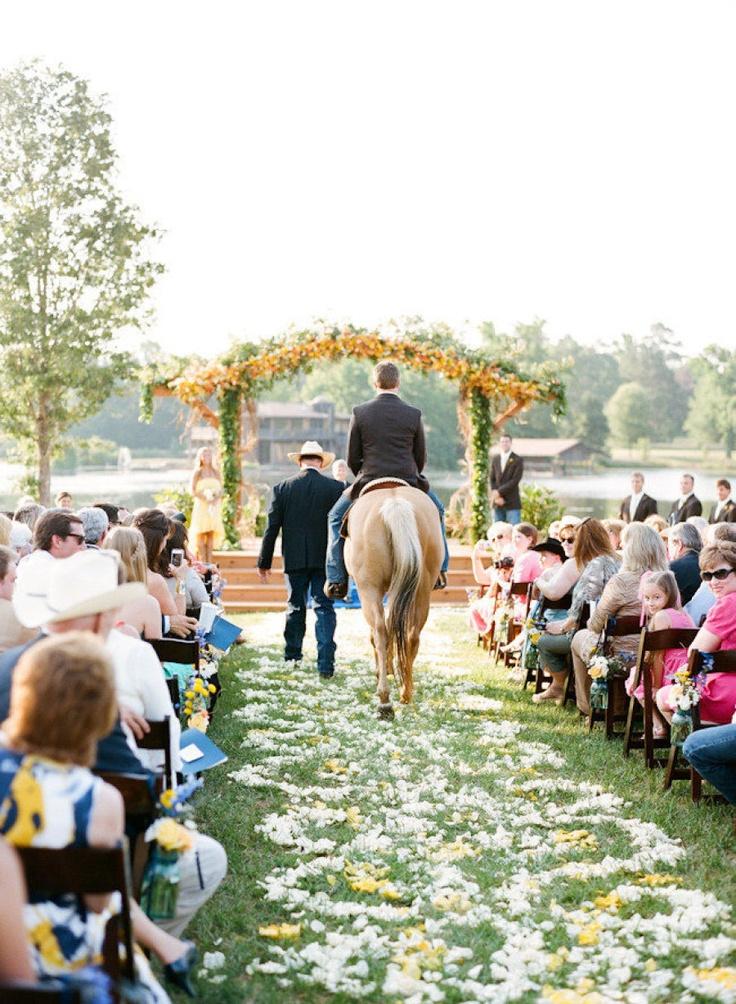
pixel 49 589
pixel 312 449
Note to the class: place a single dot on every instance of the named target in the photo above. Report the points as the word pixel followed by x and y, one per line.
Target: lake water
pixel 597 494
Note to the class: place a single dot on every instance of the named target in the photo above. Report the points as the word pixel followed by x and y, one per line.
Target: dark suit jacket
pixel 647 507
pixel 687 573
pixel 386 439
pixel 507 483
pixel 114 756
pixel 727 516
pixel 299 508
pixel 692 507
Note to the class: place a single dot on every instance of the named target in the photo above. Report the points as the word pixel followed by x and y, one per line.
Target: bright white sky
pixel 571 160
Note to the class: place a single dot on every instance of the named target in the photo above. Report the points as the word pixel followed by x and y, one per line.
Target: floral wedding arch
pixel 491 391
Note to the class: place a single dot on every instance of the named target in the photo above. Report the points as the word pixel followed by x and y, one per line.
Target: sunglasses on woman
pixel 567 540
pixel 720 574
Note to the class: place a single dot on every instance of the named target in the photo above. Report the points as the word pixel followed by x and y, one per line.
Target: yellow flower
pixel 199 721
pixel 650 965
pixel 353 816
pixel 335 767
pixel 211 688
pixel 280 932
pixel 610 902
pixel 722 974
pixel 172 836
pixel 589 935
pixel 167 798
pixel 656 880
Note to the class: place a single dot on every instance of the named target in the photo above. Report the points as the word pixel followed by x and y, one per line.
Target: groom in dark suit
pixel 299 508
pixel 385 439
pixel 724 511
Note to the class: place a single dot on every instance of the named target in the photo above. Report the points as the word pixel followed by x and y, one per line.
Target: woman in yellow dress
pixel 206 530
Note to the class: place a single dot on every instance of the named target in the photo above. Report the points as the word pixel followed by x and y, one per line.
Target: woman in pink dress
pixel 718 694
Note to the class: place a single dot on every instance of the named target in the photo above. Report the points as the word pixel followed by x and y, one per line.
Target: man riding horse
pixel 385 440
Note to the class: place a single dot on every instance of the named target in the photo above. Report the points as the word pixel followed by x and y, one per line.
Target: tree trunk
pixel 43 447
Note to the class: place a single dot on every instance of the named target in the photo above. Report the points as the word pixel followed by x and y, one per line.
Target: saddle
pixel 376 485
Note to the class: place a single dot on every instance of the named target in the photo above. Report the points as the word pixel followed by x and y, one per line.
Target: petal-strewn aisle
pixel 447 856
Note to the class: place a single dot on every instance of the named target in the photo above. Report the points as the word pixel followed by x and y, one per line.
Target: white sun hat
pixel 312 449
pixel 49 589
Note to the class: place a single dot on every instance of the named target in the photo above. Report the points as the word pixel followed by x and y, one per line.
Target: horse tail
pixel 400 521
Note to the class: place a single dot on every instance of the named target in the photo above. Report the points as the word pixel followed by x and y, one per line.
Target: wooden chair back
pixel 172 684
pixel 616 627
pixel 159 738
pixel 564 603
pixel 651 642
pixel 86 871
pixel 38 993
pixel 183 652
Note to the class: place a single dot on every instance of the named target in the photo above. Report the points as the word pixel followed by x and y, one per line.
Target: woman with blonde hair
pixel 206 526
pixel 658 523
pixel 143 615
pixel 644 551
pixel 615 528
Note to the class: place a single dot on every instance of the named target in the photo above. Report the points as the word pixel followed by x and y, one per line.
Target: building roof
pixel 542 447
pixel 286 409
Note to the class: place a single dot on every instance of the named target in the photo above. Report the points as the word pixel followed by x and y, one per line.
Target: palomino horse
pixel 394 546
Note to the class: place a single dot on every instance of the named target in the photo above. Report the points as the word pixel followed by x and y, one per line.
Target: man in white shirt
pixel 688 503
pixel 636 507
pixel 724 511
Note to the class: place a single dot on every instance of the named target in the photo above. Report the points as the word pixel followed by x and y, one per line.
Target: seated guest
pixel 658 523
pixel 12 632
pixel 684 546
pixel 111 511
pixel 553 530
pixel 700 524
pixel 688 504
pixel 95 523
pixel 21 539
pixel 6 530
pixel 64 501
pixel 194 590
pixel 636 507
pixel 59 534
pixel 15 956
pixel 495 547
pixel 82 594
pixel 566 532
pixel 29 513
pixel 662 607
pixel 718 693
pixel 596 563
pixel 156 529
pixel 643 552
pixel 704 599
pixel 712 752
pixel 62 702
pixel 526 561
pixel 615 529
pixel 144 614
pixel 724 511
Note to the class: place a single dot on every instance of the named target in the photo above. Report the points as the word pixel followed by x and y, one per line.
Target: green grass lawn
pixel 464 852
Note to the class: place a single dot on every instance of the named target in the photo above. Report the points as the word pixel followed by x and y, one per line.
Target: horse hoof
pixel 386 712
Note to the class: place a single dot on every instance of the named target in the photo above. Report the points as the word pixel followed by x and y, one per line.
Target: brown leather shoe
pixel 441 582
pixel 336 590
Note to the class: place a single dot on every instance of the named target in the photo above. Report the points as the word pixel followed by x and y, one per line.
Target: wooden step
pixel 249 577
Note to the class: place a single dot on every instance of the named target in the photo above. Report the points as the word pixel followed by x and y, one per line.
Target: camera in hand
pixel 506 562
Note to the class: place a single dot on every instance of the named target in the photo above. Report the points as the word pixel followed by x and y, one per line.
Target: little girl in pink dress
pixel 660 600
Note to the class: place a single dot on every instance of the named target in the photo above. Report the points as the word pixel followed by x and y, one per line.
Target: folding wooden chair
pixel 616 627
pixel 186 653
pixel 515 627
pixel 723 662
pixel 140 811
pixel 38 993
pixel 649 643
pixel 159 738
pixel 538 675
pixel 85 871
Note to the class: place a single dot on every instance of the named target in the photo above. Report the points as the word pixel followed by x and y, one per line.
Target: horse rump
pixel 406 566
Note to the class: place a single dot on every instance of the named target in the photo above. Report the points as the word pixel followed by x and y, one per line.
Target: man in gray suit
pixel 385 439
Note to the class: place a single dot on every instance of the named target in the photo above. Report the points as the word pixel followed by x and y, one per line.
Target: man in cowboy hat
pixel 299 508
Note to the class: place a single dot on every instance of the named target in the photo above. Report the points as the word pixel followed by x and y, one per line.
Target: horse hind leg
pixel 373 610
pixel 407 686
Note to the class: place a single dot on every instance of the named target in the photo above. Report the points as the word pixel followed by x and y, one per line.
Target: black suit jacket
pixel 647 507
pixel 114 755
pixel 687 573
pixel 692 507
pixel 506 483
pixel 727 516
pixel 386 439
pixel 299 508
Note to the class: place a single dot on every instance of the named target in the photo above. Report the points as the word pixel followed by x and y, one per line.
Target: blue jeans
pixel 512 516
pixel 335 563
pixel 712 752
pixel 298 585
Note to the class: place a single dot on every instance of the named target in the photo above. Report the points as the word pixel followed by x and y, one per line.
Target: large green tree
pixel 75 260
pixel 630 414
pixel 654 362
pixel 712 416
